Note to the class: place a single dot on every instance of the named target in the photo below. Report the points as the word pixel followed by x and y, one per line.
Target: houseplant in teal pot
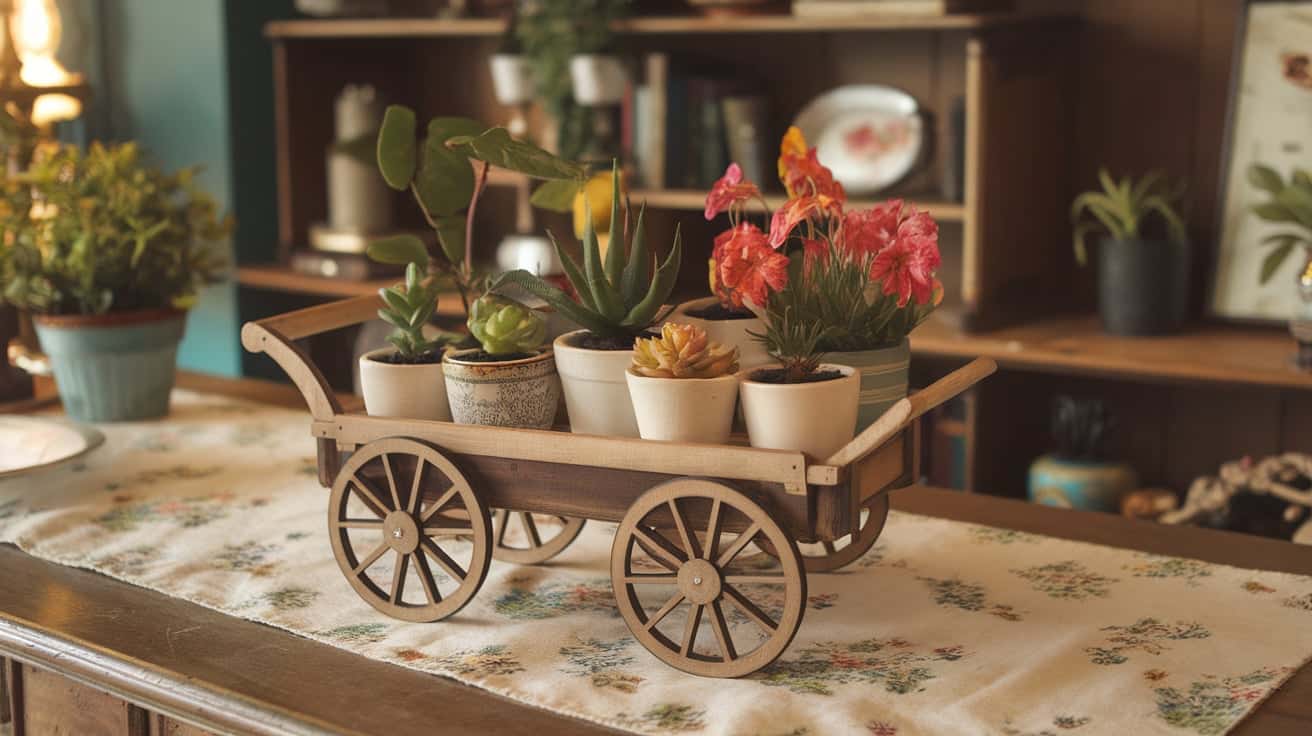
pixel 1077 473
pixel 107 253
pixel 1143 258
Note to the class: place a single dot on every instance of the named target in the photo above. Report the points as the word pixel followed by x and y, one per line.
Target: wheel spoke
pixel 742 541
pixel 721 628
pixel 753 612
pixel 531 528
pixel 398 576
pixel 503 517
pixel 426 577
pixel 755 579
pixel 391 481
pixel 712 532
pixel 660 548
pixel 413 504
pixel 690 628
pixel 652 579
pixel 689 541
pixel 443 527
pixel 663 611
pixel 829 547
pixel 369 494
pixel 443 560
pixel 359 524
pixel 443 500
pixel 370 559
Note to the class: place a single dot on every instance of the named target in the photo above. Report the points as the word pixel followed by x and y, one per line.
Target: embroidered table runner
pixel 942 628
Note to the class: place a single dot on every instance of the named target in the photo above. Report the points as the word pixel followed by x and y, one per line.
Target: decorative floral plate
pixel 29 444
pixel 870 136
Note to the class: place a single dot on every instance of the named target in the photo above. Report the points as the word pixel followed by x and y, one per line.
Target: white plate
pixel 29 444
pixel 870 136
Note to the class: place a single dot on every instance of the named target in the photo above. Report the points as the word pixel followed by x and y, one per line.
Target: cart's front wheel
pixel 830 556
pixel 385 536
pixel 527 539
pixel 668 582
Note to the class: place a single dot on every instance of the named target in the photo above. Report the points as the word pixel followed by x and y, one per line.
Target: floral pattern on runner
pixel 1211 705
pixel 601 662
pixel 557 599
pixel 968 597
pixel 1160 566
pixel 898 665
pixel 666 718
pixel 1067 580
pixel 1147 635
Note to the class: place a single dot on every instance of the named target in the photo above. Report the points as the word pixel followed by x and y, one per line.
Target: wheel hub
pixel 401 532
pixel 699 581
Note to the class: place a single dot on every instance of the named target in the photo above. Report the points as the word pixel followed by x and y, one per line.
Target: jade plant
pixel 619 298
pixel 407 308
pixel 506 327
pixel 683 351
pixel 1290 204
pixel 1123 209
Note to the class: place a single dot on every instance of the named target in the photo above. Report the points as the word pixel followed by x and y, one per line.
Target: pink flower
pixel 796 210
pixel 906 266
pixel 867 232
pixel 729 190
pixel 749 268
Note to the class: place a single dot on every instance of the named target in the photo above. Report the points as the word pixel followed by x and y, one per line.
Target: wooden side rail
pixel 909 409
pixel 324 317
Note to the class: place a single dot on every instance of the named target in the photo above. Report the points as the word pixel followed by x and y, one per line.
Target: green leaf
pixel 1104 209
pixel 604 295
pixel 637 271
pixel 1082 231
pixel 1265 178
pixel 444 128
pixel 392 318
pixel 1299 203
pixel 643 313
pixel 1274 212
pixel 496 147
pixel 396 146
pixel 444 182
pixel 394 300
pixel 451 236
pixel 556 195
pixel 399 250
pixel 615 243
pixel 573 273
pixel 559 300
pixel 1274 260
pixel 1301 178
pixel 1282 237
pixel 1174 224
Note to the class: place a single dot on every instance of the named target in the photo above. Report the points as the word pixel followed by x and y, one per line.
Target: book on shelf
pixel 845 8
pixel 746 119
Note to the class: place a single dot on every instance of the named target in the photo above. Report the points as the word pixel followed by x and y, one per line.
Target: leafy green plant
pixel 617 298
pixel 407 308
pixel 791 339
pixel 1079 427
pixel 102 231
pixel 1123 208
pixel 504 326
pixel 1290 204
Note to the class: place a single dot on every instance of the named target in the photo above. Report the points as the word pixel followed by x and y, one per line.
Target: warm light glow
pixel 37 29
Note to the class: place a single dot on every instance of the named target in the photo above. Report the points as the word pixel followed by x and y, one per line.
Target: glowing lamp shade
pixel 36 29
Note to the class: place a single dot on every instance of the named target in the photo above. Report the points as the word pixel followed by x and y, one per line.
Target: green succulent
pixel 1123 207
pixel 620 297
pixel 407 308
pixel 1290 204
pixel 504 326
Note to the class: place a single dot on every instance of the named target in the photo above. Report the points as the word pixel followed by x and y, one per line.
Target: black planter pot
pixel 1143 286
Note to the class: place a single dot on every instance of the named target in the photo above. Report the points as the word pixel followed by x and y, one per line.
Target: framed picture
pixel 1270 122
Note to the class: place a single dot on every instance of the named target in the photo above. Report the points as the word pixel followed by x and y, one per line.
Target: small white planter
pixel 684 409
pixel 751 353
pixel 401 390
pixel 598 79
pixel 816 418
pixel 596 393
pixel 513 82
pixel 509 393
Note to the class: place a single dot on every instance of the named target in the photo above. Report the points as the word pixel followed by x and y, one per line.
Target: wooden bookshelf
pixel 1077 345
pixel 281 278
pixel 695 200
pixel 651 25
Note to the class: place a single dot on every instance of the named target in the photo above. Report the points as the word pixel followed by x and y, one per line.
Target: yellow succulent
pixel 683 351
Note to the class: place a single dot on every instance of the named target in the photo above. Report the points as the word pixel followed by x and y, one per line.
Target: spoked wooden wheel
pixel 666 584
pixel 830 556
pixel 385 537
pixel 527 539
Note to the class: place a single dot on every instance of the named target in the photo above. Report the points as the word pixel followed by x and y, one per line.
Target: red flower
pixel 906 266
pixel 749 267
pixel 801 172
pixel 729 190
pixel 867 232
pixel 798 209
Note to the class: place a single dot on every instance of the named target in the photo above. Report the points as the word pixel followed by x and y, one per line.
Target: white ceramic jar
pixel 817 418
pixel 596 392
pixel 684 409
pixel 751 352
pixel 412 391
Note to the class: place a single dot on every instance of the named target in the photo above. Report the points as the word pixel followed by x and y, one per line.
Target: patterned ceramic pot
pixel 507 393
pixel 883 378
pixel 113 367
pixel 1080 484
pixel 751 352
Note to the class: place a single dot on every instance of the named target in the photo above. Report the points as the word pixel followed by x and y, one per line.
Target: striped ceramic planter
pixel 883 378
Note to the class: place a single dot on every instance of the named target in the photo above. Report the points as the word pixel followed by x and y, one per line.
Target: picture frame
pixel 1268 120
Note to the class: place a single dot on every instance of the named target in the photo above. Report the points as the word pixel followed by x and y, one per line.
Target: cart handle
pixel 275 336
pixel 909 409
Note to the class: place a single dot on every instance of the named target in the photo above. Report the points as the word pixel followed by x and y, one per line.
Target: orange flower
pixel 728 191
pixel 749 268
pixel 798 209
pixel 801 172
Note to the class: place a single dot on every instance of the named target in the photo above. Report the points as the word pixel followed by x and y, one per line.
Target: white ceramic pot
pixel 751 352
pixel 512 79
pixel 596 392
pixel 598 79
pixel 817 418
pixel 684 409
pixel 507 393
pixel 402 390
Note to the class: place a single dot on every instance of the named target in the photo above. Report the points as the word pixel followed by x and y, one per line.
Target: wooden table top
pixel 231 675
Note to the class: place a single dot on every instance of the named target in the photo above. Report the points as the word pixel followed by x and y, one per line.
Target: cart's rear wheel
pixel 527 539
pixel 666 584
pixel 384 535
pixel 830 556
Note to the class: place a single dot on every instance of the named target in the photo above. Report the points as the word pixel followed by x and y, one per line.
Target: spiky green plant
pixel 504 326
pixel 407 310
pixel 1290 204
pixel 617 298
pixel 1122 209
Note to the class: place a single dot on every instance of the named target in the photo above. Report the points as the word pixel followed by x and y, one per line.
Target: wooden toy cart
pixel 696 522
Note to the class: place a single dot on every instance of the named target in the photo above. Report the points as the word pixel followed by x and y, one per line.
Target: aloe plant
pixel 1122 208
pixel 618 297
pixel 1290 204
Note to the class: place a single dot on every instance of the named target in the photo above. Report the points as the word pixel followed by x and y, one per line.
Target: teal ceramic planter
pixel 1079 484
pixel 883 378
pixel 116 367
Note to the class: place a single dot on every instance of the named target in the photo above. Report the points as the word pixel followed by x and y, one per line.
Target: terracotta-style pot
pixel 817 418
pixel 595 388
pixel 751 352
pixel 113 367
pixel 684 409
pixel 504 393
pixel 409 390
